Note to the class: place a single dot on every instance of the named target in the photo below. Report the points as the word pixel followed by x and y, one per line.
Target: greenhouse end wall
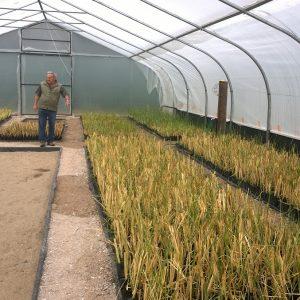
pixel 102 80
pixel 9 82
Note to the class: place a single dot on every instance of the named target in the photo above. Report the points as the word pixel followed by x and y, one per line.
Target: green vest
pixel 50 96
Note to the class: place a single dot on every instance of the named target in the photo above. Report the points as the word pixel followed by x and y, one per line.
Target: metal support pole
pixel 42 10
pixel 18 20
pixel 20 75
pixel 222 106
pixel 40 28
pixel 71 53
pixel 28 9
pixel 15 9
pixel 22 19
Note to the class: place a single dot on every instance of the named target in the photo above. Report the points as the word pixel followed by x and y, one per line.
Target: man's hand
pixel 35 103
pixel 35 107
pixel 68 102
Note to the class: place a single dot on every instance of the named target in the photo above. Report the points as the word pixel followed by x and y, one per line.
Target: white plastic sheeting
pixel 191 45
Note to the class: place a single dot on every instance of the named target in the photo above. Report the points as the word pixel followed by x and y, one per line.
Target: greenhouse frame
pixel 190 47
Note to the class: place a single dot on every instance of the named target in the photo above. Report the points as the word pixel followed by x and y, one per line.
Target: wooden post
pixel 222 106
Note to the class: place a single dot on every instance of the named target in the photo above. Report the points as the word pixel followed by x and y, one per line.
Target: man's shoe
pixel 50 144
pixel 43 144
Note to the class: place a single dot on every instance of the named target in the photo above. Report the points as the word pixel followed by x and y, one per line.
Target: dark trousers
pixel 45 115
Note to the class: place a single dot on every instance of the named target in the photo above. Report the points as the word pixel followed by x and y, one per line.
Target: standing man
pixel 45 102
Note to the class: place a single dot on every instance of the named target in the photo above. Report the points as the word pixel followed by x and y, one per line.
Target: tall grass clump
pixel 182 235
pixel 5 113
pixel 106 124
pixel 27 130
pixel 275 171
pixel 164 123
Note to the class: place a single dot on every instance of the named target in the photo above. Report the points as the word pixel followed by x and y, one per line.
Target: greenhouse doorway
pixel 33 69
pixel 44 47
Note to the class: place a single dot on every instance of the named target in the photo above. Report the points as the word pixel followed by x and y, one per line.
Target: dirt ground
pixel 25 185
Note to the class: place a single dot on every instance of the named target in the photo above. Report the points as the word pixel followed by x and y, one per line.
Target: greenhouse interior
pixel 150 149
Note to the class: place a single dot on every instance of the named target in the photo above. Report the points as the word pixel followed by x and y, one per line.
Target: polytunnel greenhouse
pixel 150 149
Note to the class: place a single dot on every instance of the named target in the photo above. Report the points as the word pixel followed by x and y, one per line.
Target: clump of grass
pixel 275 171
pixel 27 130
pixel 165 123
pixel 106 124
pixel 5 113
pixel 180 234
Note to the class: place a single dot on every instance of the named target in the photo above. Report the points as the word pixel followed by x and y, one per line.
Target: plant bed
pixel 273 171
pixel 27 131
pixel 25 216
pixel 279 204
pixel 108 228
pixel 182 235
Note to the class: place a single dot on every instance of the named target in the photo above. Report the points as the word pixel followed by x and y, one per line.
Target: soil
pixel 25 185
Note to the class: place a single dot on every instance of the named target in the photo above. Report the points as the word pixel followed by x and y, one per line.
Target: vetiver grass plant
pixel 180 233
pixel 5 113
pixel 106 124
pixel 272 170
pixel 27 130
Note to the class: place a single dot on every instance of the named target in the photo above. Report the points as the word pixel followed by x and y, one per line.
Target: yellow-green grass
pixel 180 234
pixel 106 124
pixel 27 130
pixel 5 113
pixel 272 170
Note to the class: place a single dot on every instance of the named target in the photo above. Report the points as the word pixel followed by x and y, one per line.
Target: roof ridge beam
pixel 42 9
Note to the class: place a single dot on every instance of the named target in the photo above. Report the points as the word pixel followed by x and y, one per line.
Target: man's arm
pixel 37 96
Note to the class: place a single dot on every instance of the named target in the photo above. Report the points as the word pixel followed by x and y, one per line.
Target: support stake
pixel 222 106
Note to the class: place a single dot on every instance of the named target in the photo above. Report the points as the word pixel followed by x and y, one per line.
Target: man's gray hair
pixel 52 73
